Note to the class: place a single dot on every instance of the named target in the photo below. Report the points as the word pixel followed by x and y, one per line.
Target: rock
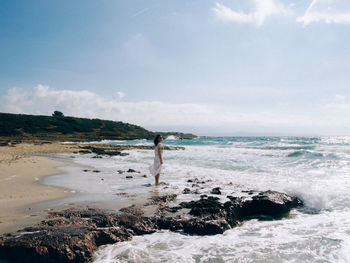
pixel 120 171
pixel 132 171
pixel 269 204
pixel 186 191
pixel 103 151
pixel 170 223
pixel 205 227
pixel 216 191
pixel 189 181
pixel 85 170
pixel 128 177
pixel 204 206
pixel 96 171
pixel 144 176
pixel 97 157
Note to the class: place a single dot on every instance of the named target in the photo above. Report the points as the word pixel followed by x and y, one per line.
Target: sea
pixel 316 169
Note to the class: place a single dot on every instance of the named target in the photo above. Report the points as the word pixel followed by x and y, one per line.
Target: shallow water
pixel 316 169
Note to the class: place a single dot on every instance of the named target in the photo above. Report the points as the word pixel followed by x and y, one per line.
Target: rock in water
pixel 216 191
pixel 186 191
pixel 269 204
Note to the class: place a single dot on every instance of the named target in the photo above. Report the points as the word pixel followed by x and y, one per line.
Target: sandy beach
pixel 21 170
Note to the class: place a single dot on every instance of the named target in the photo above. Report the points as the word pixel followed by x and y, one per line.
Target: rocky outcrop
pixel 73 235
pixel 102 151
pixel 116 150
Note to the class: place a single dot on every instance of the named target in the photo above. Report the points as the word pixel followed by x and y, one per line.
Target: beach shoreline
pixel 22 169
pixel 26 199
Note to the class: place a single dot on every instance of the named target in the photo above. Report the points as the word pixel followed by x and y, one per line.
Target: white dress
pixel 156 167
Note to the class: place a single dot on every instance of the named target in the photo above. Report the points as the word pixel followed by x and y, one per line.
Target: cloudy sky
pixel 211 67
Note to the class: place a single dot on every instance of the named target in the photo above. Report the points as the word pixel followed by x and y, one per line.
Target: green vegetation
pixel 60 127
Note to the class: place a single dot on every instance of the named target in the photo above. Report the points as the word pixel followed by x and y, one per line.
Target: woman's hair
pixel 156 139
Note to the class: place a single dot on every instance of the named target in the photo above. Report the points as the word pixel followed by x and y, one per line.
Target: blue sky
pixel 221 67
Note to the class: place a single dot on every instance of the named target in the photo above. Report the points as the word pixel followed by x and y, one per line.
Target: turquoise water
pixel 316 169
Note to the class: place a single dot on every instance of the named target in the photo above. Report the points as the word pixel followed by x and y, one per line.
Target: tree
pixel 57 114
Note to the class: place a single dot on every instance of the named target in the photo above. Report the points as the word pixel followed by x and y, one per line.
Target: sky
pixel 209 67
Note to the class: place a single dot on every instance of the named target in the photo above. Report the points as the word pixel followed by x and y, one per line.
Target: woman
pixel 158 158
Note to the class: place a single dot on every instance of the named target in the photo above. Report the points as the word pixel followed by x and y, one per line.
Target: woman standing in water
pixel 156 168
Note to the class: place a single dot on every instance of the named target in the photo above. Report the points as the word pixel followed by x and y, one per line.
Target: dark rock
pixel 205 227
pixel 96 171
pixel 270 203
pixel 171 223
pixel 104 151
pixel 216 191
pixel 85 170
pixel 97 157
pixel 144 176
pixel 204 206
pixel 128 177
pixel 186 191
pixel 120 171
pixel 132 171
pixel 189 181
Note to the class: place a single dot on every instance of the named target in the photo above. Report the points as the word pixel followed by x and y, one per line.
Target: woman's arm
pixel 160 153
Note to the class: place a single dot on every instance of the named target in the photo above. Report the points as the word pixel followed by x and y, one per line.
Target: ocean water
pixel 316 169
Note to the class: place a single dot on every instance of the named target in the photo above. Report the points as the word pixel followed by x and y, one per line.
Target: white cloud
pixel 200 117
pixel 329 11
pixel 263 9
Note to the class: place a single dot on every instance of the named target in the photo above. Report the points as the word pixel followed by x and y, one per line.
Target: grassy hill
pixel 61 128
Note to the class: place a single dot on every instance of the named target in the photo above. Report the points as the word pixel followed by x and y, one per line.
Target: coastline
pixel 202 201
pixel 25 198
pixel 21 173
pixel 20 190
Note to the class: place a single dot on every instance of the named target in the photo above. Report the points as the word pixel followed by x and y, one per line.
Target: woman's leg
pixel 157 179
